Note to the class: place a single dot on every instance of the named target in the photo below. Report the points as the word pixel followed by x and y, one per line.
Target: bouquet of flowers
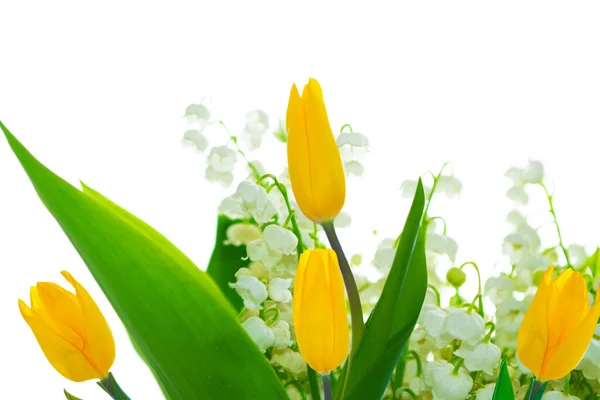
pixel 282 312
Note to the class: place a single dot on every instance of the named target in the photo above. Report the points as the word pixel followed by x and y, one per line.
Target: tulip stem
pixel 328 395
pixel 536 389
pixel 358 325
pixel 553 212
pixel 110 386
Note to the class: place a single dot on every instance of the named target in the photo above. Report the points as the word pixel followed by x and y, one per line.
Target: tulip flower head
pixel 314 161
pixel 319 310
pixel 70 329
pixel 558 327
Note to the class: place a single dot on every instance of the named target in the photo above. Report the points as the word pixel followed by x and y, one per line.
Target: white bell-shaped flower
pixel 280 239
pixel 555 395
pixel 265 214
pixel 533 261
pixel 449 185
pixel 516 218
pixel 353 139
pixel 258 166
pixel 279 290
pixel 242 234
pixel 432 320
pixel 463 325
pixel 384 256
pixel 252 196
pixel 285 309
pixel 251 290
pixel 485 356
pixel 533 172
pixel 343 220
pixel 197 112
pixel 289 360
pixel 354 167
pixel 499 288
pixel 442 244
pixel 430 297
pixel 486 393
pixel 222 158
pixel 448 385
pixel 260 333
pixel 258 250
pixel 409 187
pixel 577 254
pixel 531 234
pixel 430 367
pixel 195 138
pixel 515 175
pixel 257 123
pixel 231 207
pixel 281 331
pixel 518 195
pixel 224 178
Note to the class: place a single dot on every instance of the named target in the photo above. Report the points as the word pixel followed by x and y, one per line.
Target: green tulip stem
pixel 328 395
pixel 536 388
pixel 358 324
pixel 109 385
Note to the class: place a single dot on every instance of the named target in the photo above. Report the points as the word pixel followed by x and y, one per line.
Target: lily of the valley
pixel 70 329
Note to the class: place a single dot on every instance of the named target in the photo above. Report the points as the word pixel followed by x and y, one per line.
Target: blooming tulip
pixel 314 161
pixel 70 329
pixel 558 327
pixel 319 310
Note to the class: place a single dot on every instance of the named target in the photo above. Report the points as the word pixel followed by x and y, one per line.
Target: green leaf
pixel 395 314
pixel 180 322
pixel 69 396
pixel 503 389
pixel 597 264
pixel 225 261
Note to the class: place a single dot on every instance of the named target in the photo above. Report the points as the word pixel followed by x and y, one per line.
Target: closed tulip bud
pixel 558 327
pixel 319 311
pixel 314 161
pixel 70 329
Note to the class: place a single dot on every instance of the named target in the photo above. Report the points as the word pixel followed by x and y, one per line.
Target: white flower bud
pixel 251 290
pixel 265 214
pixel 197 112
pixel 279 290
pixel 384 256
pixel 465 326
pixel 483 357
pixel 260 333
pixel 515 175
pixel 281 332
pixel 222 158
pixel 408 189
pixel 518 194
pixel 442 244
pixel 354 167
pixel 289 360
pixel 253 197
pixel 352 139
pixel 280 239
pixel 258 250
pixel 516 218
pixel 486 393
pixel 449 185
pixel 577 255
pixel 450 386
pixel 432 320
pixel 534 172
pixel 242 234
pixel 195 138
pixel 223 178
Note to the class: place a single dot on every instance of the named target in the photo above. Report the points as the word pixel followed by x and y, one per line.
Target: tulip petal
pixel 61 305
pixel 340 318
pixel 100 345
pixel 572 348
pixel 533 334
pixel 62 354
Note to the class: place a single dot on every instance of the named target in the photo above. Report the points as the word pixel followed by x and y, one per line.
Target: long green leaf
pixel 225 261
pixel 69 396
pixel 503 389
pixel 394 316
pixel 183 326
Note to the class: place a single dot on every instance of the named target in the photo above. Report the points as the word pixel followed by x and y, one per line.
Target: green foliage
pixel 503 389
pixel 225 261
pixel 180 322
pixel 394 316
pixel 69 396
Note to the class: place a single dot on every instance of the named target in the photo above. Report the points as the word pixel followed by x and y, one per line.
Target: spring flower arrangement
pixel 282 312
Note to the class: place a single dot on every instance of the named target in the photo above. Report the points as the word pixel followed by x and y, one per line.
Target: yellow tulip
pixel 319 310
pixel 70 329
pixel 558 327
pixel 314 161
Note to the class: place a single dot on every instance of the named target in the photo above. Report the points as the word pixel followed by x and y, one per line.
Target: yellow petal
pixel 63 356
pixel 61 305
pixel 533 333
pixel 100 345
pixel 340 317
pixel 572 348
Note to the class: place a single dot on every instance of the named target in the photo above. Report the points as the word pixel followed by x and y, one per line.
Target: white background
pixel 97 92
